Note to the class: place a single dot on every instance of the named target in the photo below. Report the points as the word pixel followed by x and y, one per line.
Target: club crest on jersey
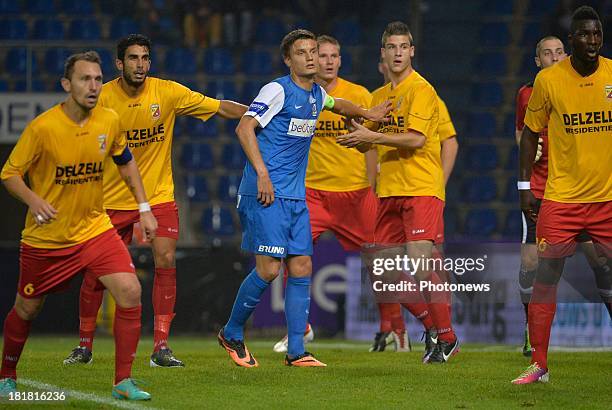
pixel 313 101
pixel 155 111
pixel 608 90
pixel 102 143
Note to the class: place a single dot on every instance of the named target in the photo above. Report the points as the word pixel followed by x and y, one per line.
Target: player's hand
pixel 379 112
pixel 348 121
pixel 528 204
pixel 357 137
pixel 265 190
pixel 42 211
pixel 539 151
pixel 148 224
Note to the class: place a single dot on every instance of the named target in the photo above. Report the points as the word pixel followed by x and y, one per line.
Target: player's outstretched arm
pixel 362 136
pixel 346 108
pixel 42 211
pixel 448 155
pixel 527 153
pixel 231 109
pixel 131 176
pixel 246 135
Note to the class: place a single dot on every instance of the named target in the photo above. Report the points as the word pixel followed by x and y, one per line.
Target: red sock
pixel 90 300
pixel 391 317
pixel 16 332
pixel 127 334
pixel 164 297
pixel 420 311
pixel 541 314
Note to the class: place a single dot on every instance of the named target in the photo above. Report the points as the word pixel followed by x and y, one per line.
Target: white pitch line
pixel 83 396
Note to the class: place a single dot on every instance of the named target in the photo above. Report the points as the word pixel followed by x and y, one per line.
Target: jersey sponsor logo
pixel 271 249
pixel 144 136
pixel 608 92
pixel 258 108
pixel 301 128
pixel 102 143
pixel 155 111
pixel 78 173
pixel 587 122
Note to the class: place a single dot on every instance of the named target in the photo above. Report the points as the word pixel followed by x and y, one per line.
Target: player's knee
pixel 28 309
pixel 165 259
pixel 301 269
pixel 269 273
pixel 129 294
pixel 529 258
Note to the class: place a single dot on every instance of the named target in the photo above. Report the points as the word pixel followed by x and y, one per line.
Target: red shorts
pixel 349 215
pixel 45 271
pixel 166 215
pixel 560 224
pixel 404 219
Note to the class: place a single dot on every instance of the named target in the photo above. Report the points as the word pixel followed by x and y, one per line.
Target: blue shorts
pixel 278 230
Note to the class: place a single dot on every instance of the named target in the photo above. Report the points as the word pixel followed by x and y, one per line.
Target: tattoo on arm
pixel 129 183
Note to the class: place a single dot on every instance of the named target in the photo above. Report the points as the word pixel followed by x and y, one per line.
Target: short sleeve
pixel 118 138
pixel 538 109
pixel 422 111
pixel 446 129
pixel 267 104
pixel 522 98
pixel 193 103
pixel 23 155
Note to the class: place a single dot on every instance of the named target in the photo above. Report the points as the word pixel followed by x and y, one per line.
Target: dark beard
pixel 131 83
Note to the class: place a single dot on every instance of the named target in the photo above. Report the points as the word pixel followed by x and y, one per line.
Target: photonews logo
pixel 301 128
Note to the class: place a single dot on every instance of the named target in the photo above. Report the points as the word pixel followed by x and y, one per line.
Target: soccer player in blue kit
pixel 275 134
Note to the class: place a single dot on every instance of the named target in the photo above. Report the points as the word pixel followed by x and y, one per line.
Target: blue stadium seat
pixel 487 94
pixel 494 35
pixel 233 156
pixel 491 64
pixel 269 31
pixel 498 7
pixel 227 189
pixel 482 157
pixel 480 223
pixel 257 62
pixel 16 61
pixel 513 158
pixel 528 67
pixel 86 29
pixel 10 7
pixel 347 63
pixel 347 32
pixel 218 61
pixel 230 126
pixel 437 67
pixel 196 188
pixel 250 89
pixel 41 7
pixel 481 125
pixel 13 29
pixel 48 29
pixel 122 26
pixel 479 189
pixel 513 226
pixel 532 33
pixel 54 60
pixel 542 7
pixel 217 221
pixel 180 61
pixel 197 157
pixel 109 71
pixel 77 7
pixel 511 196
pixel 38 86
pixel 4 86
pixel 451 223
pixel 510 125
pixel 222 90
pixel 195 127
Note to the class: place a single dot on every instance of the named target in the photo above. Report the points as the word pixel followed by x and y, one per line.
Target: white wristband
pixel 144 207
pixel 523 185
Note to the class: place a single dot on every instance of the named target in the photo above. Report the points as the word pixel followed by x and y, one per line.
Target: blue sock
pixel 247 299
pixel 297 304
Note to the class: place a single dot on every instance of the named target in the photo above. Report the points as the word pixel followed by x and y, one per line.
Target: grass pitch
pixel 477 378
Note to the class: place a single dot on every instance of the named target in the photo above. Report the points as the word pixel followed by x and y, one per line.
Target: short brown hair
pixel 539 45
pixel 396 28
pixel 292 37
pixel 91 56
pixel 325 39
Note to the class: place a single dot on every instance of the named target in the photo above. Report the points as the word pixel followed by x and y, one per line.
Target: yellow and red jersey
pixel 411 172
pixel 65 164
pixel 539 172
pixel 147 122
pixel 446 129
pixel 332 167
pixel 578 113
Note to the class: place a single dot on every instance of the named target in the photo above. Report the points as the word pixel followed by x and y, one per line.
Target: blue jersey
pixel 287 115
